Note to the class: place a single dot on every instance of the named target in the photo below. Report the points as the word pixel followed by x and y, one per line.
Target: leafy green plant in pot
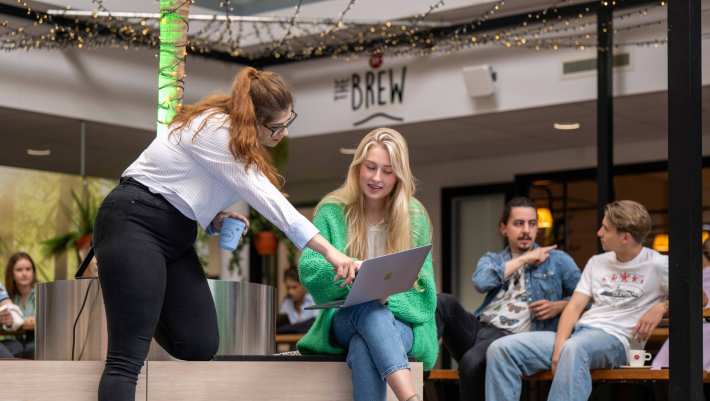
pixel 78 238
pixel 264 234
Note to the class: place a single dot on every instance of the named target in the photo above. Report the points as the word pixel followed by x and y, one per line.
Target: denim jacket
pixel 3 293
pixel 553 280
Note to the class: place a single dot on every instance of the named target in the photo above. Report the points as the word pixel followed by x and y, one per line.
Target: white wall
pixel 434 87
pixel 113 86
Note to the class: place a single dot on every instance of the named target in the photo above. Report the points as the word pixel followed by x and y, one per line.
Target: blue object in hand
pixel 231 233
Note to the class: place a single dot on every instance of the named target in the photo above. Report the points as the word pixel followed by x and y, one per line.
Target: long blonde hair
pixel 398 201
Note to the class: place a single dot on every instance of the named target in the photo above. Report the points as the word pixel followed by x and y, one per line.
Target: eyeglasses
pixel 276 129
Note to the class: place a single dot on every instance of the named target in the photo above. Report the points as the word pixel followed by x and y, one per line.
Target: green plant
pixel 293 254
pixel 257 222
pixel 234 262
pixel 279 154
pixel 83 221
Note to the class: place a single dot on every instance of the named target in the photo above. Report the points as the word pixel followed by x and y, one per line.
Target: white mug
pixel 638 357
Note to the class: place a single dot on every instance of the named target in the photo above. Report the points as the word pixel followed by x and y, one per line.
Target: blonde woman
pixel 374 213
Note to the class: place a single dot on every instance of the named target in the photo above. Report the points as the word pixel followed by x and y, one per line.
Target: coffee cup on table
pixel 638 357
pixel 231 233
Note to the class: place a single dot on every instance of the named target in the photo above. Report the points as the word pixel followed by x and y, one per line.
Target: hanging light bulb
pixel 544 218
pixel 660 242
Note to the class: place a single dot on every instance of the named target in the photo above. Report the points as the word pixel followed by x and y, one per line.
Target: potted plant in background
pixel 265 235
pixel 80 237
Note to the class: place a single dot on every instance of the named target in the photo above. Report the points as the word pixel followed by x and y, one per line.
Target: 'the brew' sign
pixel 372 89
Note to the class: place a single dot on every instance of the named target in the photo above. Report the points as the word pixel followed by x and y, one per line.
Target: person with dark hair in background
pixel 293 318
pixel 213 154
pixel 527 287
pixel 626 289
pixel 20 280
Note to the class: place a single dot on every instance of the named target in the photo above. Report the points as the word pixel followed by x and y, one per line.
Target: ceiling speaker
pixel 479 80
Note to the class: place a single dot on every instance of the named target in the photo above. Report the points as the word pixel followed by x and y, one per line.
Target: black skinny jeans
pixel 467 339
pixel 153 286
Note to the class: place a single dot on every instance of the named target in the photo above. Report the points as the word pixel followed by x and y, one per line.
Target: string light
pixel 256 41
pixel 171 72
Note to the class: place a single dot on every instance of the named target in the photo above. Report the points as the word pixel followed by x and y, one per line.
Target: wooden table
pixel 286 342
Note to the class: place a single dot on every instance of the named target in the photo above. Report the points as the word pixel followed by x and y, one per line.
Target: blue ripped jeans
pixel 377 345
pixel 511 357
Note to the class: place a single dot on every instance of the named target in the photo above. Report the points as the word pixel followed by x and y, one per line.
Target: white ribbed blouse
pixel 200 178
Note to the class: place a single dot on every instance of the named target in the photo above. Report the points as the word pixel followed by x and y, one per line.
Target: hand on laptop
pixel 344 267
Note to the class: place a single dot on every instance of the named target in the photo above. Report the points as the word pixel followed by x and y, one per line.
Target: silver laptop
pixel 381 277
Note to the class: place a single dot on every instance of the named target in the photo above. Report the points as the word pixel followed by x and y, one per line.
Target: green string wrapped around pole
pixel 171 71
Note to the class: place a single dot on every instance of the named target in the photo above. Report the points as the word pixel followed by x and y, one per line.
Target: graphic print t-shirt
pixel 623 291
pixel 509 309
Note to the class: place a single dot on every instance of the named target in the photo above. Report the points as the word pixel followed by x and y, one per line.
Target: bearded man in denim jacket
pixel 526 287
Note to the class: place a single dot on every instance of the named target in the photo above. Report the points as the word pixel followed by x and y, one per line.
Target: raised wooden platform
pixel 55 381
pixel 188 381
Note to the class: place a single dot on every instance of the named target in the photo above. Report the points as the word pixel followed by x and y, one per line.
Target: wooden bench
pixel 286 342
pixel 287 338
pixel 605 375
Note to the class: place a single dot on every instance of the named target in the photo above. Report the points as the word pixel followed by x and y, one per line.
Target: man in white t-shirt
pixel 627 286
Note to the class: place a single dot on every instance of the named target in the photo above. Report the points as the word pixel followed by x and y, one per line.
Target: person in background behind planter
pixel 293 318
pixel 20 279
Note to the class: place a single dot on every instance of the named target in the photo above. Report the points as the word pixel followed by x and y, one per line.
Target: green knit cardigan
pixel 415 307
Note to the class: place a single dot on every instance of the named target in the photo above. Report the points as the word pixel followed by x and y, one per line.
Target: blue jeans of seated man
pixel 377 345
pixel 514 356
